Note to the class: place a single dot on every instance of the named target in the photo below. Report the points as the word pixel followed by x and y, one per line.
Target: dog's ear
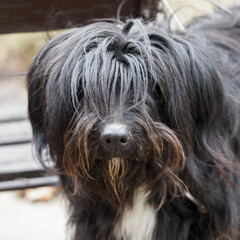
pixel 187 83
pixel 192 99
pixel 46 97
pixel 37 100
pixel 202 87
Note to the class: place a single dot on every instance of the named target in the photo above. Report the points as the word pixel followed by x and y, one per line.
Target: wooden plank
pixel 35 15
pixel 15 132
pixel 17 158
pixel 23 183
pixel 13 113
pixel 23 174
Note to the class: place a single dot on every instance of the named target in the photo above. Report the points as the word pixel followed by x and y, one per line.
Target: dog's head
pixel 117 106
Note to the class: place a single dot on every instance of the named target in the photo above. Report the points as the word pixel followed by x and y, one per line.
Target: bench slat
pixel 23 174
pixel 23 183
pixel 15 132
pixel 35 15
pixel 17 158
pixel 13 113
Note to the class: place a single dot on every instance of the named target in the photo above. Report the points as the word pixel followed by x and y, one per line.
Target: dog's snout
pixel 115 137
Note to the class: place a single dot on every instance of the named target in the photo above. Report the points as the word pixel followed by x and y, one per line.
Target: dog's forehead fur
pixel 108 63
pixel 103 61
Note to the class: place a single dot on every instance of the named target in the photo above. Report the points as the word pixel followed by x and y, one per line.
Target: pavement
pixel 24 220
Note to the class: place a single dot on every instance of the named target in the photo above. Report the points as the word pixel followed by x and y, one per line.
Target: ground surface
pixel 22 220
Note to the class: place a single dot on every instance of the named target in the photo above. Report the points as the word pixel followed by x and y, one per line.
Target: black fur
pixel 179 94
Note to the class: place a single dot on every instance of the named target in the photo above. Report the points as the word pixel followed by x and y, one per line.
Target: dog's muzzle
pixel 115 138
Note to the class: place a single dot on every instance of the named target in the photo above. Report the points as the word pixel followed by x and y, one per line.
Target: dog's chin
pixel 114 180
pixel 122 172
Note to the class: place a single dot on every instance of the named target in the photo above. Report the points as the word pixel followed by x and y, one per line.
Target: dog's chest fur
pixel 137 222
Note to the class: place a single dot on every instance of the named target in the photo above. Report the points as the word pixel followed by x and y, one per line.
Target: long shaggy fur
pixel 179 94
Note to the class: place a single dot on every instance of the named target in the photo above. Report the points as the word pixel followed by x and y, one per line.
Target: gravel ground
pixel 23 220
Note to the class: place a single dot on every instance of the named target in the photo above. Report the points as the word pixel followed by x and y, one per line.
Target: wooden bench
pixel 18 169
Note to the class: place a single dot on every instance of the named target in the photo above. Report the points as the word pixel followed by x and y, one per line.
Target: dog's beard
pixel 114 181
pixel 117 168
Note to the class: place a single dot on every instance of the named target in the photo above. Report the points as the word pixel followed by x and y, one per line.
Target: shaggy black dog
pixel 143 125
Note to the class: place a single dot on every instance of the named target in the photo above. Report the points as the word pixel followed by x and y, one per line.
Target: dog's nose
pixel 115 137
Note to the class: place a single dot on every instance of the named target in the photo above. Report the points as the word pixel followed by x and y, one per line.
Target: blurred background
pixel 38 213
